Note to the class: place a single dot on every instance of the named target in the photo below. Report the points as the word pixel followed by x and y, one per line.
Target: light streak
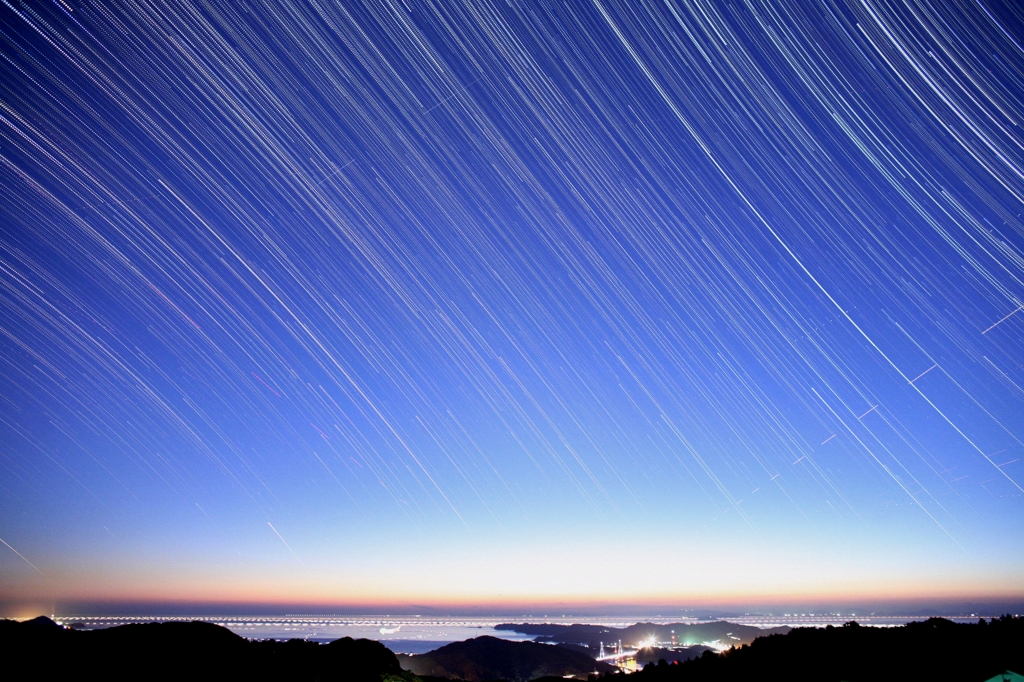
pixel 1004 319
pixel 22 557
pixel 285 542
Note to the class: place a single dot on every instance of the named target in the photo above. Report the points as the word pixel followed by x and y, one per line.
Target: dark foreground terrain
pixel 935 650
pixel 490 658
pixel 42 650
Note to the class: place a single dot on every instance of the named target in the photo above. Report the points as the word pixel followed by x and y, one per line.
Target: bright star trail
pixel 411 303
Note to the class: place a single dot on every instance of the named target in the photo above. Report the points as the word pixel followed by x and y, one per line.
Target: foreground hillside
pixel 936 650
pixel 490 658
pixel 41 649
pixel 203 651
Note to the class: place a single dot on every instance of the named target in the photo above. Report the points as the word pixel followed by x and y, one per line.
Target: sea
pixel 420 634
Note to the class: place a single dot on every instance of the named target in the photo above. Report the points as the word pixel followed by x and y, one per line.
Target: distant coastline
pixel 420 634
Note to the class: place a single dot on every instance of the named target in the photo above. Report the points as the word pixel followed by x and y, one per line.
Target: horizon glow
pixel 507 307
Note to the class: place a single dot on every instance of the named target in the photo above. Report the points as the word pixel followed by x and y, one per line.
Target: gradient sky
pixel 511 303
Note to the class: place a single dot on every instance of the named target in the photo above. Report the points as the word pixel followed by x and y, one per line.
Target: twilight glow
pixel 507 304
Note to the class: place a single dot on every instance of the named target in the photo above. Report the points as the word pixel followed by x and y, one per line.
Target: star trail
pixel 511 302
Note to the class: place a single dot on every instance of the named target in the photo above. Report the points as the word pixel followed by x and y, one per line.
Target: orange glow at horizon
pixel 528 603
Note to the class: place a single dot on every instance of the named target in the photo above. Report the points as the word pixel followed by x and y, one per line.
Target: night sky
pixel 507 303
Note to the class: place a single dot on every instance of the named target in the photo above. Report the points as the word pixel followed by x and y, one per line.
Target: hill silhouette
pixel 936 650
pixel 655 654
pixel 686 634
pixel 490 658
pixel 185 650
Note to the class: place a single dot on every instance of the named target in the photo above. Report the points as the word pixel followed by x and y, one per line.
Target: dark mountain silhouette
pixel 686 634
pixel 655 654
pixel 582 648
pixel 573 634
pixel 490 658
pixel 180 651
pixel 936 650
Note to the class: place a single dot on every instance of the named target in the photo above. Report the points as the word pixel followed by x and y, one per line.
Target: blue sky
pixel 511 304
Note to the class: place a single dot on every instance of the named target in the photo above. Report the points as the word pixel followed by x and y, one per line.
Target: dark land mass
pixel 936 650
pixel 686 634
pixel 655 654
pixel 41 649
pixel 577 647
pixel 490 658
